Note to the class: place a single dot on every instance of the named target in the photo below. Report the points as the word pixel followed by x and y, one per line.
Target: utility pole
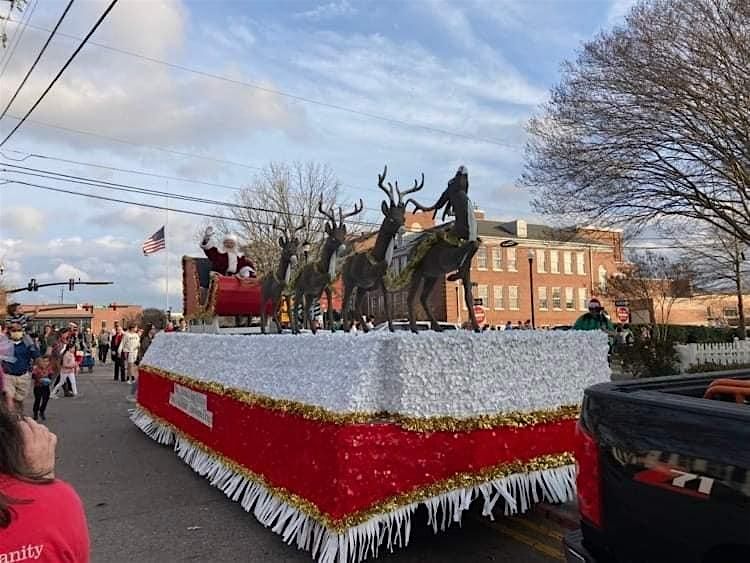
pixel 62 293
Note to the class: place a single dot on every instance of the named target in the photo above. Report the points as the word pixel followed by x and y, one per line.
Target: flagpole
pixel 166 247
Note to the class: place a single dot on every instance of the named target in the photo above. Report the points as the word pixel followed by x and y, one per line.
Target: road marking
pixel 555 535
pixel 523 538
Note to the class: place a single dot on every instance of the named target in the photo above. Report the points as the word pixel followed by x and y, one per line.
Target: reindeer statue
pixel 445 252
pixel 317 277
pixel 365 270
pixel 274 284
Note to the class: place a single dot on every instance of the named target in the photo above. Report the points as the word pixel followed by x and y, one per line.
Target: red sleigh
pixel 207 296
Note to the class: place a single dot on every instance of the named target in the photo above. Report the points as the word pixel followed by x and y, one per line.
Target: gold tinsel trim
pixel 415 424
pixel 420 494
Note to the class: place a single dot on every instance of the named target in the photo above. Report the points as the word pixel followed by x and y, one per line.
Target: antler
pixel 328 214
pixel 381 179
pixel 357 209
pixel 416 188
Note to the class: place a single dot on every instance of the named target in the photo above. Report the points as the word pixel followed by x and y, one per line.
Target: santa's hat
pixel 230 238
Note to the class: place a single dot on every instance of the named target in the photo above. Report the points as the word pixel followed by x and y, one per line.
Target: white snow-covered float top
pixel 459 374
pixel 333 440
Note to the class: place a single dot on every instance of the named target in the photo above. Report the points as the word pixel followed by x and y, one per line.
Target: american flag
pixel 154 243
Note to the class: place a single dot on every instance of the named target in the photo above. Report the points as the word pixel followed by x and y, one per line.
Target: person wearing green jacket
pixel 595 319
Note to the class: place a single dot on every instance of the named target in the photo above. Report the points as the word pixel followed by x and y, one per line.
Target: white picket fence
pixel 724 353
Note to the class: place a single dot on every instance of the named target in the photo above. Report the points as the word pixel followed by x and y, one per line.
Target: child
pixel 68 370
pixel 42 374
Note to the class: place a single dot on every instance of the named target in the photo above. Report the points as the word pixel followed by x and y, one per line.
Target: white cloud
pixel 119 96
pixel 22 220
pixel 67 271
pixel 335 9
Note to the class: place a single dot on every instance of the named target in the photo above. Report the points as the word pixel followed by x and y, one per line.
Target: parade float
pixel 335 440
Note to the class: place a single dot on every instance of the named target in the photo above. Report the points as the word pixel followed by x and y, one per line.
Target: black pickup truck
pixel 663 474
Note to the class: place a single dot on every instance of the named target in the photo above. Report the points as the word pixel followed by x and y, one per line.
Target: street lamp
pixel 531 287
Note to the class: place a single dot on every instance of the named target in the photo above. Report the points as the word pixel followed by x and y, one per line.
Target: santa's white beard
pixel 232 257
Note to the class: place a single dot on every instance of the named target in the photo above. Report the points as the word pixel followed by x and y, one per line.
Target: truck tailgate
pixel 674 475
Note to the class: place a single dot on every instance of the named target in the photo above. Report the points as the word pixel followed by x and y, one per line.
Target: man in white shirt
pixel 129 346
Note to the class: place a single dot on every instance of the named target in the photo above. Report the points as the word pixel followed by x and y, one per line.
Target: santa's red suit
pixel 227 262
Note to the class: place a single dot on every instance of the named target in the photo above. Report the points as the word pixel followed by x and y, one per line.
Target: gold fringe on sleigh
pixel 297 521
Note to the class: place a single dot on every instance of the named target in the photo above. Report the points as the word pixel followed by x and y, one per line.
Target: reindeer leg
pixel 469 298
pixel 263 302
pixel 329 298
pixel 277 311
pixel 345 316
pixel 308 305
pixel 298 300
pixel 424 298
pixel 361 296
pixel 387 303
pixel 413 290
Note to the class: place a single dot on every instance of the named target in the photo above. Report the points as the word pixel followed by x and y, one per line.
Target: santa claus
pixel 228 261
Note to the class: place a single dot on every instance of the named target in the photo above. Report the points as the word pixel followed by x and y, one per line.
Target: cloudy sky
pixel 349 83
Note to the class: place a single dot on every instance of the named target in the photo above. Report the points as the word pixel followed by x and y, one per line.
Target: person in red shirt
pixel 30 494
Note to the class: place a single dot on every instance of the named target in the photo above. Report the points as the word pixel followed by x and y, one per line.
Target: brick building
pixel 709 309
pixel 567 267
pixel 92 316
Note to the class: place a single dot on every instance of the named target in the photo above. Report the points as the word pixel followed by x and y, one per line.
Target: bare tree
pixel 718 263
pixel 286 193
pixel 652 282
pixel 652 121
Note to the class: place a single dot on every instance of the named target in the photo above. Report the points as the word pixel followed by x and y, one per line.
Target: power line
pixel 59 74
pixel 134 144
pixel 338 107
pixel 16 37
pixel 92 182
pixel 39 56
pixel 135 203
pixel 123 170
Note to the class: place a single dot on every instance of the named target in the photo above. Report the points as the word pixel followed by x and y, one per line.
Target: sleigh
pixel 211 301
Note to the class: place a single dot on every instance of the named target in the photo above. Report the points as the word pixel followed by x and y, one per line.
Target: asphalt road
pixel 144 504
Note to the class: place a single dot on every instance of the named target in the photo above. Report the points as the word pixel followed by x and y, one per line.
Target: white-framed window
pixel 483 294
pixel 461 297
pixel 543 303
pixel 570 302
pixel 583 298
pixel 568 262
pixel 511 258
pixel 482 258
pixel 581 263
pixel 513 297
pixel 556 298
pixel 541 257
pixel 497 297
pixel 497 258
pixel 554 262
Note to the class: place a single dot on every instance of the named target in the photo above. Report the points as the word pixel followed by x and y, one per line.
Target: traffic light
pixel 114 306
pixel 33 285
pixel 71 284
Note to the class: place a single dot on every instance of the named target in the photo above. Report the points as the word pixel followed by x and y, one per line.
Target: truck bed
pixel 674 472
